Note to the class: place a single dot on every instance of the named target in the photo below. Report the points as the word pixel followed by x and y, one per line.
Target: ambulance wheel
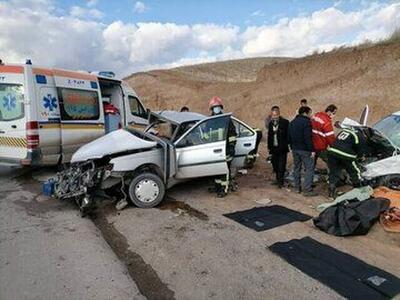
pixel 146 190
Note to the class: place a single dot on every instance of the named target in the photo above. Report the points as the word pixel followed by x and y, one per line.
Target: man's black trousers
pixel 278 161
pixel 336 164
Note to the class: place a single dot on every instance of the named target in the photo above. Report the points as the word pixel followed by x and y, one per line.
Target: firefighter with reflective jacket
pixel 226 182
pixel 344 154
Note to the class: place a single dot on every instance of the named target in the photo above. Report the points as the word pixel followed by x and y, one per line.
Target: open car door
pixel 364 116
pixel 202 150
pixel 246 143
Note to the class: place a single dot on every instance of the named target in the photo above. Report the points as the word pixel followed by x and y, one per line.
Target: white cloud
pixel 79 40
pixel 85 13
pixel 258 13
pixel 92 3
pixel 301 35
pixel 140 7
pixel 212 36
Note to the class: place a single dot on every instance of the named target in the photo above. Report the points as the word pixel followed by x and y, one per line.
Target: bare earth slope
pixel 349 78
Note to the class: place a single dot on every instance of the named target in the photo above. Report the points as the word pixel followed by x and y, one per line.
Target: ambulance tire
pixel 146 190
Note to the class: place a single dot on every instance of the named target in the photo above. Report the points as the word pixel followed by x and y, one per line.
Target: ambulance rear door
pixel 48 116
pixel 13 144
pixel 81 112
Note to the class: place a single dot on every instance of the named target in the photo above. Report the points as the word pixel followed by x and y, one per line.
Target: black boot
pixel 221 193
pixel 233 186
pixel 332 192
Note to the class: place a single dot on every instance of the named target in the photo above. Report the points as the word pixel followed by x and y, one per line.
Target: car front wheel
pixel 146 190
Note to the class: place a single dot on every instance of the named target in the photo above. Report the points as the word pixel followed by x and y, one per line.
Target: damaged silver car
pixel 175 147
pixel 382 162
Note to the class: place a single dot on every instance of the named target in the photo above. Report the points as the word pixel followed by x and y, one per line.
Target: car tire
pixel 391 181
pixel 146 190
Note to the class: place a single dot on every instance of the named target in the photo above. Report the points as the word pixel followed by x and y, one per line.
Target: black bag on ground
pixel 351 217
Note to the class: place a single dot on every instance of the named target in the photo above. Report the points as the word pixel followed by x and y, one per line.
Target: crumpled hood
pixel 114 142
pixel 388 166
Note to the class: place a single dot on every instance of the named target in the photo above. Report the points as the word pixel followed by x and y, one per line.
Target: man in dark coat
pixel 278 144
pixel 300 140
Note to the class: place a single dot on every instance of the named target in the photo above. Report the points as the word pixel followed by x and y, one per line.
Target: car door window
pixel 242 130
pixel 136 107
pixel 210 131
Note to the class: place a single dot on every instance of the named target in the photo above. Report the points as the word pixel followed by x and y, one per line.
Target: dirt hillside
pixel 350 78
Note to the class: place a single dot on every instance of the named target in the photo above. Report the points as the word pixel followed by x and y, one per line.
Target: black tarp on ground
pixel 267 217
pixel 347 275
pixel 351 217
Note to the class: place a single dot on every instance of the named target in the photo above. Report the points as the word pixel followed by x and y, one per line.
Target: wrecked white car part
pixel 382 161
pixel 115 142
pixel 384 167
pixel 141 165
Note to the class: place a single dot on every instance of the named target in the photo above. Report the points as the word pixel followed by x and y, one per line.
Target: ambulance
pixel 47 114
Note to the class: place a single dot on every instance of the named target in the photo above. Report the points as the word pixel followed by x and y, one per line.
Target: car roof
pixel 179 117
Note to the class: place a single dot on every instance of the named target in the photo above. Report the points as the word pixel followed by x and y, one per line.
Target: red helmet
pixel 215 101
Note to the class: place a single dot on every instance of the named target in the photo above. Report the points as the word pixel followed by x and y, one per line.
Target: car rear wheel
pixel 146 190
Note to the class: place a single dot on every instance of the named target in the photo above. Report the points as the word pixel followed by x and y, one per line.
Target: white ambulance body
pixel 47 114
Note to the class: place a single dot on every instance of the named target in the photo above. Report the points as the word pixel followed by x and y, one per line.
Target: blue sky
pixel 239 12
pixel 129 35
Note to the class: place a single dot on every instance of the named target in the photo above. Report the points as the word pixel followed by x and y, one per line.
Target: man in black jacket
pixel 278 144
pixel 300 139
pixel 349 147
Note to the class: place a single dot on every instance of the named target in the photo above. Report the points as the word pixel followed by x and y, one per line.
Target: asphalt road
pixel 47 251
pixel 184 249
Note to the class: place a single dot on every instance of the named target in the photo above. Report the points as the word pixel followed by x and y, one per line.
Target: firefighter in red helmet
pixel 226 182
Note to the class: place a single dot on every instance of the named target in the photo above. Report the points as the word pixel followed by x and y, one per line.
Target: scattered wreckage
pixel 382 162
pixel 141 165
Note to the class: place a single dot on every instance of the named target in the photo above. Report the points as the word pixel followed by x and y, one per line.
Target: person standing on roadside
pixel 227 182
pixel 278 144
pixel 300 140
pixel 303 102
pixel 269 117
pixel 267 121
pixel 323 133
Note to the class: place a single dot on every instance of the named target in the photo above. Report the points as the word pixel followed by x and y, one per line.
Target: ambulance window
pixel 11 102
pixel 136 107
pixel 79 104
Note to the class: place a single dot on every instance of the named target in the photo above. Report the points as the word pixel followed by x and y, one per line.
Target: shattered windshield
pixel 390 127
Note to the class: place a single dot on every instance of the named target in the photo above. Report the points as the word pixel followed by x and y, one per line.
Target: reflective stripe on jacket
pixel 349 144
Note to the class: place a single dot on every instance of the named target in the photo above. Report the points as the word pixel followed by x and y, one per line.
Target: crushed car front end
pixel 106 166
